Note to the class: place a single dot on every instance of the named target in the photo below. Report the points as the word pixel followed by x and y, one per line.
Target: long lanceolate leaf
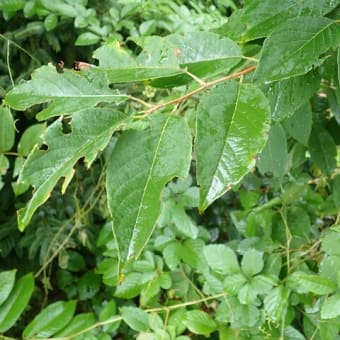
pixel 232 125
pixel 16 302
pixel 91 130
pixel 295 46
pixel 260 17
pixel 142 162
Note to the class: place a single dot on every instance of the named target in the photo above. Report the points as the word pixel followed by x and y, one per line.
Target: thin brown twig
pixel 200 89
pixel 140 101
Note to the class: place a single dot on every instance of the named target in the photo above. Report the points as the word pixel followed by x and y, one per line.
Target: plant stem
pixel 203 87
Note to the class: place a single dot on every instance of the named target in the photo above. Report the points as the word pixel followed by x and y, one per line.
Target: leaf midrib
pixel 132 241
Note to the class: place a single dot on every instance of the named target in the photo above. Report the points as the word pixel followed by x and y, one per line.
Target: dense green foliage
pixel 182 182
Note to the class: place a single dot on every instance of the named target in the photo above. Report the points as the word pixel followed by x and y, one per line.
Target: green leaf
pixel 50 22
pixel 329 330
pixel 258 285
pixel 108 312
pixel 166 58
pixel 156 322
pixel 212 285
pixel 299 125
pixel 247 295
pixel 87 38
pixel 191 253
pixel 16 302
pixel 60 7
pixel 51 319
pixel 259 18
pixel 322 148
pixel 330 242
pixel 233 283
pixel 165 280
pixel 183 222
pixel 249 199
pixel 7 279
pixel 135 318
pixel 276 302
pixel 4 166
pixel 330 308
pixel 295 46
pixel 199 322
pixel 12 5
pixel 72 260
pixel 79 323
pixel 252 262
pixel 294 192
pixel 316 284
pixel 239 315
pixel 141 163
pixel 330 267
pixel 273 264
pixel 171 254
pixel 31 136
pixel 70 91
pixel 292 333
pixel 7 129
pixel 150 290
pixel 232 123
pixel 88 285
pixel 90 131
pixel 288 95
pixel 336 192
pixel 112 55
pixel 226 333
pixel 274 157
pixel 263 283
pixel 221 259
pixel 130 287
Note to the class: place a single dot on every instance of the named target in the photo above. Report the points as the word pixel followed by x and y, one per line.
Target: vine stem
pixel 288 238
pixel 118 318
pixel 203 87
pixel 88 206
pixel 184 304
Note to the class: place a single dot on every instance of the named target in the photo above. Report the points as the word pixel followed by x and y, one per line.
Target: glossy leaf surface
pixel 16 302
pixel 136 318
pixel 78 324
pixel 294 47
pixel 275 302
pixel 232 126
pixel 199 322
pixel 258 18
pixel 90 131
pixel 252 262
pixel 141 163
pixel 288 95
pixel 7 279
pixel 302 282
pixel 51 319
pixel 221 259
pixel 330 308
pixel 7 129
